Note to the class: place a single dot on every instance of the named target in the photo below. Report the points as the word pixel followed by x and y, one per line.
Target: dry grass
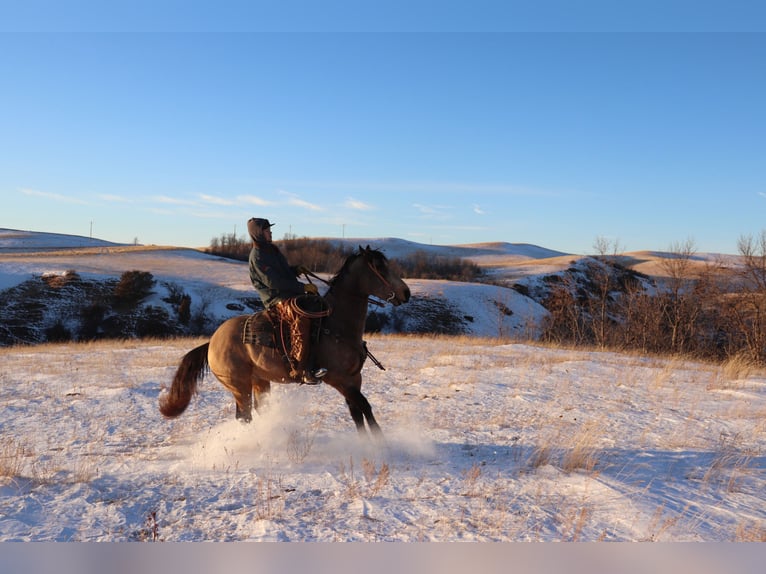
pixel 18 459
pixel 734 373
pixel 13 457
pixel 731 464
pixel 660 524
pixel 373 480
pixel 269 501
pixel 300 441
pixel 750 531
pixel 583 454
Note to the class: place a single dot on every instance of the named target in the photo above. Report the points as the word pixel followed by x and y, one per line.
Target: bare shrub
pixel 375 478
pixel 299 444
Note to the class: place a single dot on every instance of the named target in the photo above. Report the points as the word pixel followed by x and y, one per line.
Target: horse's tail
pixel 190 372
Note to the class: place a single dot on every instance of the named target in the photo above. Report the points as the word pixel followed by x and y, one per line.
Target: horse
pixel 247 370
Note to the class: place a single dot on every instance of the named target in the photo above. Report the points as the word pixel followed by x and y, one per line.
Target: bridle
pixel 383 280
pixel 386 283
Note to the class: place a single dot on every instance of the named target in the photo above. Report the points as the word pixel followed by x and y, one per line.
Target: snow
pixel 484 441
pixel 486 438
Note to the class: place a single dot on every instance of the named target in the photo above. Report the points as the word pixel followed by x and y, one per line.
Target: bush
pixel 58 333
pixel 323 256
pixel 133 287
pixel 423 265
pixel 91 317
pixel 184 310
pixel 376 322
pixel 154 322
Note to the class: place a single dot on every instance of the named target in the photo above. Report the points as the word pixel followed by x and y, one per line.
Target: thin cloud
pixel 304 204
pixel 254 200
pixel 205 214
pixel 478 210
pixel 114 198
pixel 296 201
pixel 167 200
pixel 215 200
pixel 160 211
pixel 53 196
pixel 424 186
pixel 433 211
pixel 357 205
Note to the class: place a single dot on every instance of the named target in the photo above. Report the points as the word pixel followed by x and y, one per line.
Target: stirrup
pixel 313 377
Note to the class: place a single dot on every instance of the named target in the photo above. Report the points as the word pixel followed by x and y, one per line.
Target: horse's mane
pixel 361 252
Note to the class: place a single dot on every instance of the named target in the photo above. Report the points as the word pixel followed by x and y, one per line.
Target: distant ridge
pixel 15 240
pixel 394 247
pixel 20 241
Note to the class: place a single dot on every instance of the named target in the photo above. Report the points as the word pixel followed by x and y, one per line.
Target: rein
pixel 370 300
pixel 386 283
pixel 295 306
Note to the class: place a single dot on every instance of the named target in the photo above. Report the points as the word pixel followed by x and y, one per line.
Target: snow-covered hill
pixel 220 288
pixel 13 240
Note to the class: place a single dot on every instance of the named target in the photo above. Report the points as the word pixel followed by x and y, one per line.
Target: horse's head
pixel 380 280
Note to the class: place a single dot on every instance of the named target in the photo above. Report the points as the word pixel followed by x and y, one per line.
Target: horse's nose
pixel 406 293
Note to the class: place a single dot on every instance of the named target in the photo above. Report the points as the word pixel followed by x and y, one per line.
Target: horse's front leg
pixel 361 410
pixel 244 403
pixel 261 391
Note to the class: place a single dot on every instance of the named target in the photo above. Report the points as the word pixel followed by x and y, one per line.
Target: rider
pixel 277 284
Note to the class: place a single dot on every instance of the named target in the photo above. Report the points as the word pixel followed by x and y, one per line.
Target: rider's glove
pixel 311 288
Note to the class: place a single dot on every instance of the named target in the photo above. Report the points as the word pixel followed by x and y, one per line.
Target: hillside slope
pixel 220 288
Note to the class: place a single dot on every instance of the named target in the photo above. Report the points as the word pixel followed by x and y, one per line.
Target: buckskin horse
pixel 247 370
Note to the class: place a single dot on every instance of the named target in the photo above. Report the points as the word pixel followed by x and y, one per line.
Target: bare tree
pixel 604 282
pixel 680 308
pixel 753 252
pixel 749 313
pixel 605 247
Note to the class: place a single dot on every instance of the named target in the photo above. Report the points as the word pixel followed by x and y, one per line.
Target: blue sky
pixel 555 136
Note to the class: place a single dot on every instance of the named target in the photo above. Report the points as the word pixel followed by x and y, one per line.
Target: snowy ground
pixel 485 441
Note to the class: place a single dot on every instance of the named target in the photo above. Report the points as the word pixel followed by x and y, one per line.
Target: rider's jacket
pixel 273 278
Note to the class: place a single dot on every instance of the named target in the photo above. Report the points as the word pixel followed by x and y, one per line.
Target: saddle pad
pixel 258 330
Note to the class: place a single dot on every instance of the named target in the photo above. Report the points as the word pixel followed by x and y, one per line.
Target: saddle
pixel 268 328
pixel 265 327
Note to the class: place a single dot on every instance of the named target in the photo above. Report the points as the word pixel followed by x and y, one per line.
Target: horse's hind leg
pixel 251 398
pixel 243 395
